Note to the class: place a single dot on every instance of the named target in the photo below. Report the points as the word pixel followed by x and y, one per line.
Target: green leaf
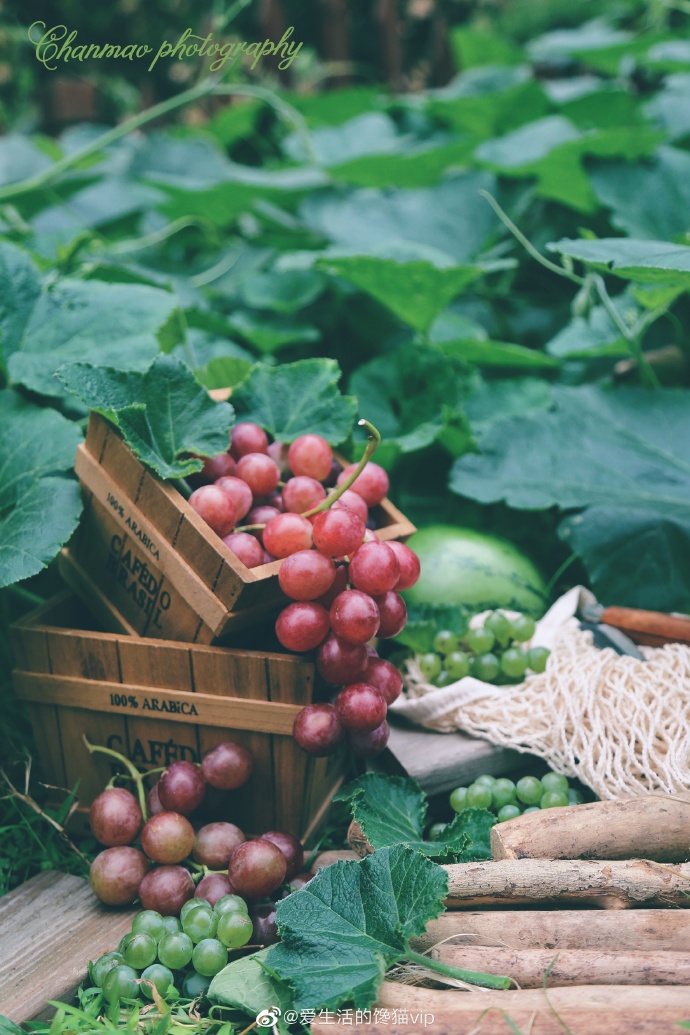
pixel 284 292
pixel 246 985
pixel 425 620
pixel 669 107
pixel 631 258
pixel 164 414
pixel 423 167
pixel 475 47
pixel 270 332
pixel 415 291
pixel 39 509
pixel 224 372
pixel 391 810
pixel 296 399
pixel 498 354
pixel 486 108
pixel 341 932
pixel 51 322
pixel 372 133
pixel 595 336
pixel 492 401
pixel 647 200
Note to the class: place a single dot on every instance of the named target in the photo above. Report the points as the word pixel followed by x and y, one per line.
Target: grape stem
pixel 129 766
pixel 472 977
pixel 373 441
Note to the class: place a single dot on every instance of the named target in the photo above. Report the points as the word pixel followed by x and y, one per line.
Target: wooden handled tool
pixel 651 628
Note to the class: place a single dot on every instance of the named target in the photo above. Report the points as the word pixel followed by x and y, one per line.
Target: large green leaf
pixel 631 258
pixel 647 200
pixel 46 322
pixel 422 167
pixel 342 931
pixel 246 985
pixel 296 399
pixel 485 107
pixel 669 108
pixel 164 414
pixel 269 332
pixel 39 508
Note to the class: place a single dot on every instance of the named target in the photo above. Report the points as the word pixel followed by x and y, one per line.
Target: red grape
pixel 153 802
pixel 239 492
pixel 181 788
pixel 227 766
pixel 339 662
pixel 216 467
pixel 247 438
pixel 167 838
pixel 372 484
pixel 352 501
pixel 265 927
pixel 215 507
pixel 393 614
pixel 262 514
pixel 318 730
pixel 360 707
pixel 116 875
pixel 286 534
pixel 410 567
pixel 246 547
pixel 276 500
pixel 385 677
pixel 259 472
pixel 374 568
pixel 354 616
pixel 302 493
pixel 306 575
pixel 166 889
pixel 213 886
pixel 278 451
pixel 290 846
pixel 298 882
pixel 367 745
pixel 310 455
pixel 302 626
pixel 215 843
pixel 338 532
pixel 257 868
pixel 339 584
pixel 115 817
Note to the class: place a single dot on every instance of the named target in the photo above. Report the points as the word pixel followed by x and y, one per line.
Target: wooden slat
pixel 31 648
pixel 291 764
pixel 50 928
pixel 201 709
pixel 121 465
pixel 102 607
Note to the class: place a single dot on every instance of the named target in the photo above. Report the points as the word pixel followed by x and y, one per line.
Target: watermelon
pixel 469 569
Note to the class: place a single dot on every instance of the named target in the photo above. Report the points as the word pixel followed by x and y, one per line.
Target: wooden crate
pixel 159 701
pixel 151 555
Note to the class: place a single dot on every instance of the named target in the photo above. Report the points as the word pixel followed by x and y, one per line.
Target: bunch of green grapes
pixel 177 957
pixel 491 652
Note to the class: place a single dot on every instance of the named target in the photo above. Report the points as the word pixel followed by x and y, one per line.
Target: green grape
pixel 537 658
pixel 480 640
pixel 445 641
pixel 479 796
pixel 500 626
pixel 175 950
pixel 430 665
pixel 194 903
pixel 553 799
pixel 435 831
pixel 195 985
pixel 508 812
pixel 529 790
pixel 141 951
pixel 160 977
pixel 171 924
pixel 514 662
pixel 532 808
pixel 210 956
pixel 149 922
pixel 124 942
pixel 485 667
pixel 458 799
pixel 444 678
pixel 103 964
pixel 234 930
pixel 457 664
pixel 120 983
pixel 555 782
pixel 230 904
pixel 486 779
pixel 200 924
pixel 523 628
pixel 574 796
pixel 503 793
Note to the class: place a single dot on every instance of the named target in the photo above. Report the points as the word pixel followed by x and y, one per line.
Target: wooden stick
pixel 529 967
pixel 655 826
pixel 614 929
pixel 334 856
pixel 481 1020
pixel 609 885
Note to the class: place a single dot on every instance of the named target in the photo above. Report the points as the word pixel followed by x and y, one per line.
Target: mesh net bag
pixel 618 724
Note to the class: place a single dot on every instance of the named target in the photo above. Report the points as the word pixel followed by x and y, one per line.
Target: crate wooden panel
pixel 157 701
pixel 154 559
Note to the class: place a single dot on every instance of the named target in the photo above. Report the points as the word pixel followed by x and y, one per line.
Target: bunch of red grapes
pixel 345 582
pixel 151 858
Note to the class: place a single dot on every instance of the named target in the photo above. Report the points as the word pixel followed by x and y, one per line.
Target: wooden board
pixel 50 928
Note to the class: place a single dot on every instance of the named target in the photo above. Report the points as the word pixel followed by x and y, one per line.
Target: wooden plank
pixel 293 767
pixel 31 648
pixel 203 709
pixel 103 608
pixel 44 952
